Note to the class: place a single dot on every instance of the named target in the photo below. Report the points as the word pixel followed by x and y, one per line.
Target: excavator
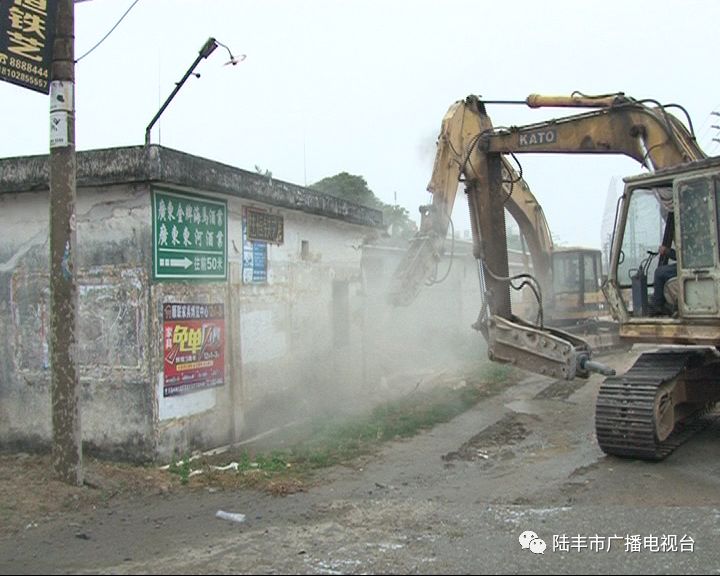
pixel 669 392
pixel 568 278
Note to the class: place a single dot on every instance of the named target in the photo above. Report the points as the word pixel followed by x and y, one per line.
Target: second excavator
pixel 646 412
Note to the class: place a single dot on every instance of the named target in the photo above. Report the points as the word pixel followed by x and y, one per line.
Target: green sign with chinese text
pixel 189 237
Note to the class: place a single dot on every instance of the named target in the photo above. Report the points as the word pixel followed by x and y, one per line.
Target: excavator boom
pixel 652 136
pixel 470 150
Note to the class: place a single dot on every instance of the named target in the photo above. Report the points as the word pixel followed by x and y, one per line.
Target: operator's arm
pixel 669 252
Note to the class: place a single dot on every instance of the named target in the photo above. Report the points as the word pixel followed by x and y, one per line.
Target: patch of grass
pixel 339 440
pixel 273 462
pixel 182 468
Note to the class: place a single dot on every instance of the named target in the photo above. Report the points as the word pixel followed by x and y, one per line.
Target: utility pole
pixel 67 438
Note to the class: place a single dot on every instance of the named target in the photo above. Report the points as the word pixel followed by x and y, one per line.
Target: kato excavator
pixel 567 294
pixel 648 411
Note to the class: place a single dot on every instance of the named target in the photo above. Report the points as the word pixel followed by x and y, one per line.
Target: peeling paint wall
pixel 116 406
pixel 283 359
pixel 281 362
pixel 317 336
pixel 200 419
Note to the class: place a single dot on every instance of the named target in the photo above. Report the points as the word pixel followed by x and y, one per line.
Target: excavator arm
pixel 470 151
pixel 462 125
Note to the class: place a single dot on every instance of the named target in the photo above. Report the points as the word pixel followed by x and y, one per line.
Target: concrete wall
pixel 113 341
pixel 316 338
pixel 283 361
pixel 282 357
pixel 302 332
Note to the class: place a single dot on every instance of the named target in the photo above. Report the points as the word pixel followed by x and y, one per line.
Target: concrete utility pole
pixel 67 439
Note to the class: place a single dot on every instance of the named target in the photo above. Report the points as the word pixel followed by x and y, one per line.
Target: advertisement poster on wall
pixel 193 347
pixel 254 267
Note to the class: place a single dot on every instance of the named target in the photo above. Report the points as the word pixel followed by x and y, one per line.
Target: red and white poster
pixel 194 347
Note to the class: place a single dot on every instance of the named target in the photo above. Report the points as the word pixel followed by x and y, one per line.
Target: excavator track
pixel 629 410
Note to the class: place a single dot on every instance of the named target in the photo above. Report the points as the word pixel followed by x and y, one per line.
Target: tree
pixel 349 187
pixel 355 189
pixel 397 221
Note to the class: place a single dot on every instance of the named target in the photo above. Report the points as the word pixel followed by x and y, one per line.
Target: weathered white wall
pixel 291 366
pixel 112 238
pixel 282 361
pixel 316 338
pixel 282 351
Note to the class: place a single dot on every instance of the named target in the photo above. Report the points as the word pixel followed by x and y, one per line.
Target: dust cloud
pixel 381 352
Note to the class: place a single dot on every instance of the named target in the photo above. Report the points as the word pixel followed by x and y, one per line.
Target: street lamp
pixel 205 51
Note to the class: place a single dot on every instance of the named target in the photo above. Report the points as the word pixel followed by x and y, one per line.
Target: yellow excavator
pixel 646 412
pixel 567 291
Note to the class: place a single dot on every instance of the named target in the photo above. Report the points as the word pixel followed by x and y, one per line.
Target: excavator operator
pixel 664 272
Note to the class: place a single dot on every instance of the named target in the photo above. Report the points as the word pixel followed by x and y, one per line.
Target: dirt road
pixel 453 500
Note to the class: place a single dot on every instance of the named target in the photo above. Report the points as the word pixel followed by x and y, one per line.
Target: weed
pixel 336 440
pixel 181 468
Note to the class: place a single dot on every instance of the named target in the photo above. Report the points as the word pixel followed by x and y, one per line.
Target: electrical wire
pixel 110 32
pixel 708 126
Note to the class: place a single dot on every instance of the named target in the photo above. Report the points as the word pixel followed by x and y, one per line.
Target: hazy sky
pixel 361 86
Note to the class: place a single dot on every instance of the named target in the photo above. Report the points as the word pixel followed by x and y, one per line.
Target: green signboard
pixel 189 237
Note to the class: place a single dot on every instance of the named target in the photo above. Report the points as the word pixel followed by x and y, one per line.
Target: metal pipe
pixel 540 101
pixel 593 366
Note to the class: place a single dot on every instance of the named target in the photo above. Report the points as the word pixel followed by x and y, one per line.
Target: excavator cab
pixel 678 206
pixel 576 279
pixel 572 298
pixel 647 213
pixel 668 393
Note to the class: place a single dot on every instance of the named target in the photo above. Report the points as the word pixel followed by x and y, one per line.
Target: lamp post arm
pixel 205 51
